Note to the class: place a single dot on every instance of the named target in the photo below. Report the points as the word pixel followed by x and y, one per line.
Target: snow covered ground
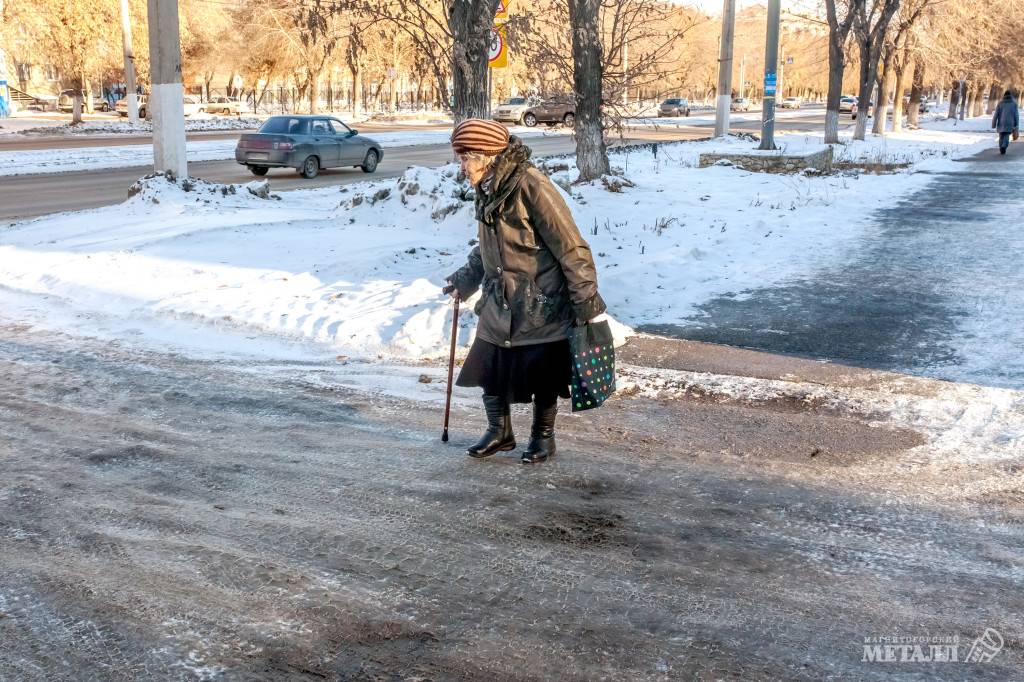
pixel 356 273
pixel 126 156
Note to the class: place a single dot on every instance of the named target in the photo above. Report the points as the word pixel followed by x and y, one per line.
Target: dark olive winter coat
pixel 1005 119
pixel 535 270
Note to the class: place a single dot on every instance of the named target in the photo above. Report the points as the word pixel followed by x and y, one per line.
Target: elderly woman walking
pixel 537 278
pixel 1006 120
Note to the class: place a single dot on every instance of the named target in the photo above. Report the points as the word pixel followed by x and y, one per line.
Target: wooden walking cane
pixel 451 369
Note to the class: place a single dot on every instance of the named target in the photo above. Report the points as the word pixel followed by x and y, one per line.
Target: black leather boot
pixel 498 437
pixel 542 435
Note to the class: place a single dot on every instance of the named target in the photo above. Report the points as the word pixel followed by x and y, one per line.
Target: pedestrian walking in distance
pixel 1006 120
pixel 536 278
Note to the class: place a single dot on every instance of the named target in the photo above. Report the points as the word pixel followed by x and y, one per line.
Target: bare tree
pixel 588 72
pixel 838 33
pixel 869 29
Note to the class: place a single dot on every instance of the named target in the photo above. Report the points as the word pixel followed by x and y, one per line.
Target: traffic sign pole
pixel 771 65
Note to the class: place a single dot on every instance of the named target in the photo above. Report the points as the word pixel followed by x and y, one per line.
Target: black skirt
pixel 519 373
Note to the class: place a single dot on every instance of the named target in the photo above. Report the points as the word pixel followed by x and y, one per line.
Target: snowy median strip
pixel 141 155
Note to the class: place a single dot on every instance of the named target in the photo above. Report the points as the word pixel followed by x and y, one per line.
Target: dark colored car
pixel 307 144
pixel 674 107
pixel 552 112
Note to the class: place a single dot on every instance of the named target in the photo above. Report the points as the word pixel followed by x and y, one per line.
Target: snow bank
pixel 195 123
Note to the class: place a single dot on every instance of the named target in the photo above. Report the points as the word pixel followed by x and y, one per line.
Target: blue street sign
pixel 5 100
pixel 770 81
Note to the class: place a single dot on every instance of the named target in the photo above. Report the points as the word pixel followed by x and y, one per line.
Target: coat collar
pixel 508 171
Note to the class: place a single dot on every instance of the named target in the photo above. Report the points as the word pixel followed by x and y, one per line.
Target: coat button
pixel 499 269
pixel 508 344
pixel 505 306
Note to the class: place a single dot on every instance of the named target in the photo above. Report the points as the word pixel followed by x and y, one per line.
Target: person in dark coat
pixel 1006 120
pixel 537 278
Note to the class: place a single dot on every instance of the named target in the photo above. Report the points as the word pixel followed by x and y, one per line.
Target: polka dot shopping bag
pixel 593 365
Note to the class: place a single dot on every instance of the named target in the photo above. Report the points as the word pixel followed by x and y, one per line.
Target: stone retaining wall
pixel 773 162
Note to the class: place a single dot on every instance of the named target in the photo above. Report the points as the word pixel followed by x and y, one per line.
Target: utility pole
pixel 625 71
pixel 129 64
pixel 771 64
pixel 780 85
pixel 743 76
pixel 166 97
pixel 725 69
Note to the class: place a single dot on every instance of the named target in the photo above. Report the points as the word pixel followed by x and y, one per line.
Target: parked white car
pixel 122 106
pixel 224 105
pixel 512 109
pixel 791 103
pixel 193 105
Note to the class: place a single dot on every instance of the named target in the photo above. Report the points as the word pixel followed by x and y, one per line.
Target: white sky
pixel 715 6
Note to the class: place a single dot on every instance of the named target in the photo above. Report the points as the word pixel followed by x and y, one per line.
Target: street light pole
pixel 129 64
pixel 166 97
pixel 771 63
pixel 725 69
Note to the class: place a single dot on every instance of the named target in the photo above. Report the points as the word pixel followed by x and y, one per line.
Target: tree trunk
pixel 357 86
pixel 76 108
pixel 954 99
pixel 965 99
pixel 867 86
pixel 470 22
pixel 979 101
pixel 916 92
pixel 836 66
pixel 314 91
pixel 591 154
pixel 897 101
pixel 993 98
pixel 884 86
pixel 88 97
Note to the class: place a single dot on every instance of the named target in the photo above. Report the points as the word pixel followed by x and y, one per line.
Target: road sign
pixel 769 84
pixel 497 51
pixel 501 13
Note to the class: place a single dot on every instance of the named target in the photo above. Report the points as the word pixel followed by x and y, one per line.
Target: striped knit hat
pixel 480 136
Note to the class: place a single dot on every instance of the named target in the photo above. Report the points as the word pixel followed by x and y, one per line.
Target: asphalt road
pixel 25 196
pixel 169 519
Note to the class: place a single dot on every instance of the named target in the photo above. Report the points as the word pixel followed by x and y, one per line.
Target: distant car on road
pixel 674 107
pixel 224 105
pixel 307 144
pixel 847 103
pixel 193 105
pixel 512 109
pixel 791 103
pixel 121 106
pixel 740 104
pixel 856 109
pixel 66 102
pixel 551 111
